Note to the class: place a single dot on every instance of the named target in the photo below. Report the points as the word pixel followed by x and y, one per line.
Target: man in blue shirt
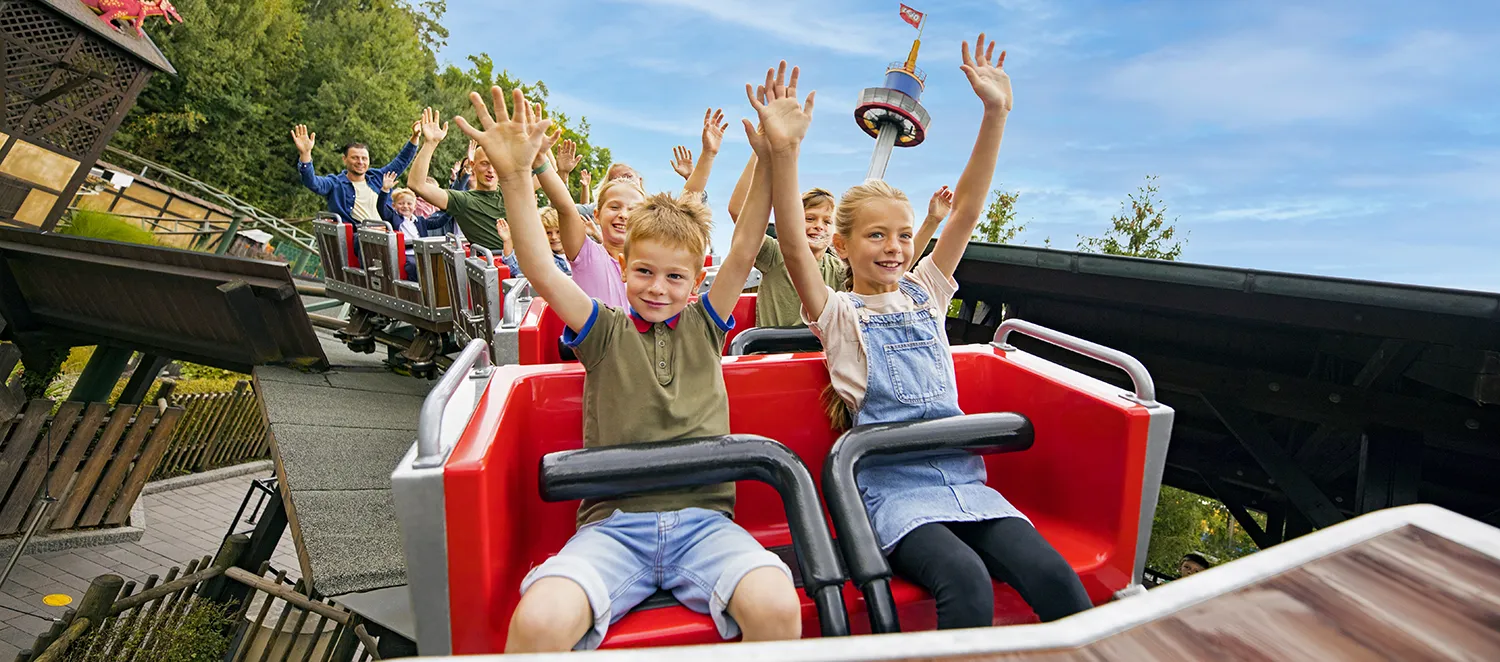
pixel 355 193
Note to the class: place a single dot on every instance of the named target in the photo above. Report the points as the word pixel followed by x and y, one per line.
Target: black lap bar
pixel 981 434
pixel 770 340
pixel 598 473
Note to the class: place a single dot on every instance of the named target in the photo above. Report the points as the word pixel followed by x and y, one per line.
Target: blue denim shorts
pixel 697 555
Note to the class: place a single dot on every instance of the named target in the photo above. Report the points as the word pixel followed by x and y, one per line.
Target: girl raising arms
pixel 937 521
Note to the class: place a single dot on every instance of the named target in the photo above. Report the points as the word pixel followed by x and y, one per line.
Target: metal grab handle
pixel 512 311
pixel 981 434
pixel 654 467
pixel 473 363
pixel 1145 388
pixel 774 340
pixel 489 256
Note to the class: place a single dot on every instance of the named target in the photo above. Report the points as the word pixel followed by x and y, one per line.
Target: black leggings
pixel 955 560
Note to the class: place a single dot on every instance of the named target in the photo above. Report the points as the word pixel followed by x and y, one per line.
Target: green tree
pixel 1140 229
pixel 1186 522
pixel 999 225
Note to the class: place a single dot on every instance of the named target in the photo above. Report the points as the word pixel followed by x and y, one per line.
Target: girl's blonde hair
pixel 616 183
pixel 839 413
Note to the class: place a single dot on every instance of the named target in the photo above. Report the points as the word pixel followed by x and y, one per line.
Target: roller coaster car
pixel 487 302
pixel 489 490
pixel 539 338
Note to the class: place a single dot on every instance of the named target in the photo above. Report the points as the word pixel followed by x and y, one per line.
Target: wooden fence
pixel 114 623
pixel 92 460
pixel 217 430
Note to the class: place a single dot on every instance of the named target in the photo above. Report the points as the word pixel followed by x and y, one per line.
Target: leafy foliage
pixel 104 225
pixel 1186 522
pixel 1140 229
pixel 201 634
pixel 999 225
pixel 352 70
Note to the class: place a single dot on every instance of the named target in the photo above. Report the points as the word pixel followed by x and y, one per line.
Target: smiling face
pixel 613 213
pixel 878 244
pixel 819 227
pixel 405 204
pixel 485 178
pixel 660 278
pixel 357 161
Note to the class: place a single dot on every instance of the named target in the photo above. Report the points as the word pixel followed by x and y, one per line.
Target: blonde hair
pixel 616 183
pixel 549 218
pixel 817 197
pixel 677 222
pixel 402 192
pixel 839 413
pixel 606 179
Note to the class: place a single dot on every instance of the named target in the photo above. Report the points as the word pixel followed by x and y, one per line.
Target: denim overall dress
pixel 911 378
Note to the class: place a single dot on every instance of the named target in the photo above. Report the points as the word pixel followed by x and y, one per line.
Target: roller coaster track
pixel 252 217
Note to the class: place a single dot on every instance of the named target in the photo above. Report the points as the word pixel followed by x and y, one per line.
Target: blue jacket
pixel 339 191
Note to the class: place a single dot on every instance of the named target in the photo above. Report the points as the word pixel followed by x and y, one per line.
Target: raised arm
pixel 937 210
pixel 512 145
pixel 403 157
pixel 992 86
pixel 749 232
pixel 432 134
pixel 556 190
pixel 785 123
pixel 713 139
pixel 305 142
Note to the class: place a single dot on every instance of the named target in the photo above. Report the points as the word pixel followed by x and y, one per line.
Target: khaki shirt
pixel 777 303
pixel 666 383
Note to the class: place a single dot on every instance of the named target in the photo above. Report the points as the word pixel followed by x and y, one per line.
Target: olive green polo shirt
pixel 475 212
pixel 777 303
pixel 663 383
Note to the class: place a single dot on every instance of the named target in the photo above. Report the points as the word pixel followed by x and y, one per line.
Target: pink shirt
pixel 598 273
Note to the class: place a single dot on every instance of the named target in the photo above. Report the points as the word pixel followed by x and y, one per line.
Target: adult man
pixel 353 194
pixel 476 210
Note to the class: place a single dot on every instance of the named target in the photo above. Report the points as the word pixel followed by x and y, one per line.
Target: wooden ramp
pixel 1411 583
pixel 335 438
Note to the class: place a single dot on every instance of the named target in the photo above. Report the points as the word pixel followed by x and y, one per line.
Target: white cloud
pixel 1293 70
pixel 793 22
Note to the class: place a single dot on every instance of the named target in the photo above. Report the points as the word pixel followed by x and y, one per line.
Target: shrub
pixel 201 634
pixel 106 226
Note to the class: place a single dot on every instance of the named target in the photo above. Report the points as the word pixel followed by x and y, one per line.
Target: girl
pixel 596 266
pixel 888 360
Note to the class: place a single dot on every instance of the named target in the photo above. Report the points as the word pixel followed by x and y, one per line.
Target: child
pixel 889 361
pixel 652 373
pixel 554 241
pixel 596 264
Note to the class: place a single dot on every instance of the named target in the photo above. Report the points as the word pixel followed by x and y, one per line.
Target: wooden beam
pixel 246 310
pixel 1390 469
pixel 280 290
pixel 1298 488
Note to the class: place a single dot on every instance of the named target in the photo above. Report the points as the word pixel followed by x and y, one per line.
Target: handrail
pixel 1145 387
pixel 473 363
pixel 981 434
pixel 653 467
pixel 774 340
pixel 512 312
pixel 489 255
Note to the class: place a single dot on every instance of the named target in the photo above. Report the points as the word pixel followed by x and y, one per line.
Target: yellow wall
pixel 39 166
pixel 36 207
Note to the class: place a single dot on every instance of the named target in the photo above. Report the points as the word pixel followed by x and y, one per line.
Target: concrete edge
pixel 65 540
pixel 179 482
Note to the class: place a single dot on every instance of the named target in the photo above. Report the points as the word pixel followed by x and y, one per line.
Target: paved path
pixel 181 525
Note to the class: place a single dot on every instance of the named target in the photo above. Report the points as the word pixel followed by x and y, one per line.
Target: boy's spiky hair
pixel 549 218
pixel 680 222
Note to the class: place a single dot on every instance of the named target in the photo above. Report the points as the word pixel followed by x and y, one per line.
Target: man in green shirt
pixel 475 211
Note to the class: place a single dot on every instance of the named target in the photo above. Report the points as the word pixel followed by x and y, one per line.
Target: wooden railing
pixel 217 430
pixel 93 460
pixel 113 622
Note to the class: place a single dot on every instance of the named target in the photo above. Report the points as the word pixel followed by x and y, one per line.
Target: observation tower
pixel 892 113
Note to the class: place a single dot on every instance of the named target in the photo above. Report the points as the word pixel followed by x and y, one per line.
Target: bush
pixel 201 634
pixel 106 226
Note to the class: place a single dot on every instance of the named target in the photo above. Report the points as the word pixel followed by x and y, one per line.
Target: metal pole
pixel 100 375
pixel 227 238
pixel 884 143
pixel 41 511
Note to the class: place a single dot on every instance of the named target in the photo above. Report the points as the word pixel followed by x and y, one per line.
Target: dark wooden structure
pixel 1312 399
pixel 58 291
pixel 69 81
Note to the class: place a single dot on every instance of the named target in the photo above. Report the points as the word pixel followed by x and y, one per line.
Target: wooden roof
pixel 229 312
pixel 140 47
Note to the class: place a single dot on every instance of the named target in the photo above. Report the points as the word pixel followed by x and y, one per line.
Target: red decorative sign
pixel 911 16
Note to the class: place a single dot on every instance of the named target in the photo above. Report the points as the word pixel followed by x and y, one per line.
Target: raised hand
pixel 940 204
pixel 591 228
pixel 682 159
pixel 713 131
pixel 432 132
pixel 416 130
pixel 567 157
pixel 511 143
pixel 990 81
pixel 303 140
pixel 502 228
pixel 783 118
pixel 586 178
pixel 389 181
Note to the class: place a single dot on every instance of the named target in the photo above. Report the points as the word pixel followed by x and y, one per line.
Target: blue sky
pixel 1355 139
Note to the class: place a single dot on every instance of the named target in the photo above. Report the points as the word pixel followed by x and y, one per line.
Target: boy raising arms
pixel 653 373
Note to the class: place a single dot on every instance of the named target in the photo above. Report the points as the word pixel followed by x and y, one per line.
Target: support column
pixel 1390 469
pixel 1305 496
pixel 884 143
pixel 101 374
pixel 141 380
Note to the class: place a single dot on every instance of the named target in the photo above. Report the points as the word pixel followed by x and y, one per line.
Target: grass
pixel 106 226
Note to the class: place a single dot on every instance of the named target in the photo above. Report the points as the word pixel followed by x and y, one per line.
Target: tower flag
pixel 911 16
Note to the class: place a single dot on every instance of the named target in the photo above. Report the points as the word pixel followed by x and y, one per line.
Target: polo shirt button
pixel 661 343
pixel 663 364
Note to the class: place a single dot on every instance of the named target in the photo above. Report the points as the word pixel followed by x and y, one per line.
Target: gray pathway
pixel 181 525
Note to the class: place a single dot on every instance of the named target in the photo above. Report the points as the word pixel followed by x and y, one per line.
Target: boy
pixel 653 373
pixel 554 241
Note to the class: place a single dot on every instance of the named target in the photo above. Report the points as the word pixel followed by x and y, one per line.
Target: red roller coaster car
pixel 490 489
